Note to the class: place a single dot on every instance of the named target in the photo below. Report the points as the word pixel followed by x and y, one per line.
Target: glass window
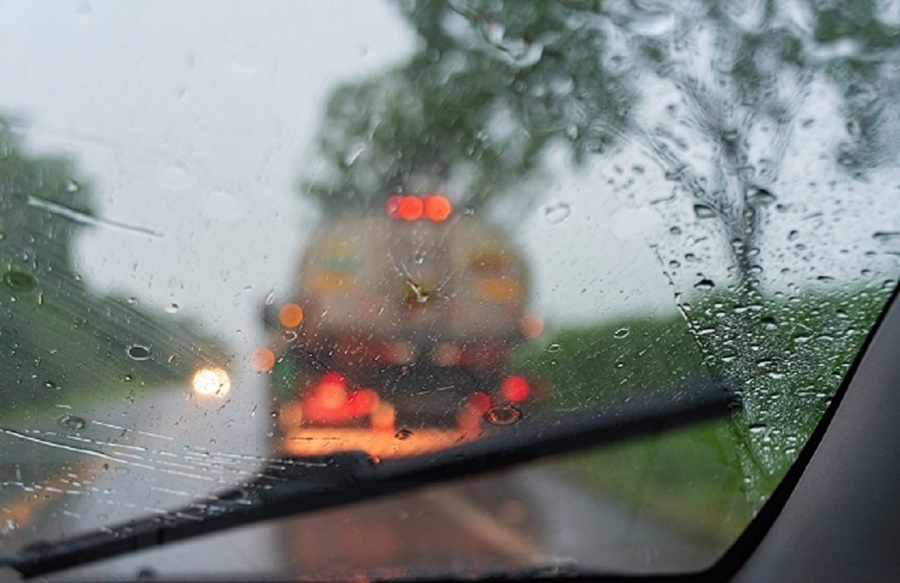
pixel 237 233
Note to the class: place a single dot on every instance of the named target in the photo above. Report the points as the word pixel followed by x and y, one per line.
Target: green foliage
pixel 24 182
pixel 474 108
pixel 691 478
pixel 492 86
pixel 593 365
pixel 786 355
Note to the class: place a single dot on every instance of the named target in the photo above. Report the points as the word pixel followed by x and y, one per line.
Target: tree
pixel 56 333
pixel 33 239
pixel 492 85
pixel 475 107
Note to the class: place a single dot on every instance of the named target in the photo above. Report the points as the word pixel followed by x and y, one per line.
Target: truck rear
pixel 404 320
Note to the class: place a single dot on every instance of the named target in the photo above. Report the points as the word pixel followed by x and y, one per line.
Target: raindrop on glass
pixel 503 415
pixel 72 422
pixel 8 527
pixel 19 281
pixel 705 284
pixel 886 236
pixel 354 153
pixel 673 174
pixel 758 196
pixel 758 428
pixel 652 23
pixel 557 212
pixel 403 434
pixel 622 333
pixel 171 308
pixel 702 211
pixel 527 54
pixel 138 352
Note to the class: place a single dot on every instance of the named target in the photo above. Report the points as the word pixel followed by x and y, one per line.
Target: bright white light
pixel 211 382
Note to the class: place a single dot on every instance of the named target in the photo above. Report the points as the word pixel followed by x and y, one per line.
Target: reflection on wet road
pixel 174 449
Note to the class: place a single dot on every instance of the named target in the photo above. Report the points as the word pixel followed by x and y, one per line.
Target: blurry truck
pixel 403 319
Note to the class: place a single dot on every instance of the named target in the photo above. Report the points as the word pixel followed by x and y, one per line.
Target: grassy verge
pixel 785 355
pixel 76 348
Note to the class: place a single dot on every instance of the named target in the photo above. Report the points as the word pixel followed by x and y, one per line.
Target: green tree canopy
pixel 492 85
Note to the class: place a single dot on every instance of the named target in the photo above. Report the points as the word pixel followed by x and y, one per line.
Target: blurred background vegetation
pixel 61 341
pixel 492 86
pixel 710 478
pixel 491 89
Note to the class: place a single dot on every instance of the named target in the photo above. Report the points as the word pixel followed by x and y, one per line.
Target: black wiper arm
pixel 294 486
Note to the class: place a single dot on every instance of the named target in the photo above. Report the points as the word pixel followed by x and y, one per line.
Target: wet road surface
pixel 159 451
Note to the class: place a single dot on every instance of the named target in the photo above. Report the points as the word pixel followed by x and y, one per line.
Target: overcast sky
pixel 196 122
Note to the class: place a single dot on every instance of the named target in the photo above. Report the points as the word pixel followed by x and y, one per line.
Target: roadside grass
pixel 786 357
pixel 689 478
pixel 78 350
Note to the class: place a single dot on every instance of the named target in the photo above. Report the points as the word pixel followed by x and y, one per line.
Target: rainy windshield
pixel 238 233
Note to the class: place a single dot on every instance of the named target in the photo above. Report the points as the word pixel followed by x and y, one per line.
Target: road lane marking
pixel 22 510
pixel 500 537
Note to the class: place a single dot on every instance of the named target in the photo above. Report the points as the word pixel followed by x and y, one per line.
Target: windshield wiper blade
pixel 290 486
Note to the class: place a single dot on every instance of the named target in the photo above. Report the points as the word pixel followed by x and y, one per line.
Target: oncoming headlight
pixel 211 382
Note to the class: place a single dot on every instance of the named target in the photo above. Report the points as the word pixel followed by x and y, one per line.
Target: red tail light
pixel 331 377
pixel 514 389
pixel 411 208
pixel 330 402
pixel 362 402
pixel 433 207
pixel 437 208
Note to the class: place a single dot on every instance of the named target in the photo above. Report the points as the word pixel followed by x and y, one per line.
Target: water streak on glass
pixel 240 235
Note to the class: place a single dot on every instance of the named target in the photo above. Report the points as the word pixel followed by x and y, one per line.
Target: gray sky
pixel 197 120
pixel 194 122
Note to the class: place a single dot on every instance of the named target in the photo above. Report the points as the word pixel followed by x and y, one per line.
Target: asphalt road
pixel 78 470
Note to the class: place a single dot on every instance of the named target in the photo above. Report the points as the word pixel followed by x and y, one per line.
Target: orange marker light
pixel 531 326
pixel 411 208
pixel 437 208
pixel 290 315
pixel 383 417
pixel 263 360
pixel 479 402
